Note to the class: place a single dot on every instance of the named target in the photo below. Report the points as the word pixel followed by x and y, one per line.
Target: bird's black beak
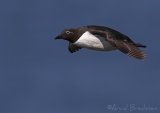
pixel 58 37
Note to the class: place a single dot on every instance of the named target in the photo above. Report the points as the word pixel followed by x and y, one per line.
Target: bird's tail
pixel 140 45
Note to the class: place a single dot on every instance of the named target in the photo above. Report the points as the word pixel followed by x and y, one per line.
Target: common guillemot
pixel 100 38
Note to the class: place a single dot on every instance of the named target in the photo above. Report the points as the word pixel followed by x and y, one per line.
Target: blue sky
pixel 39 75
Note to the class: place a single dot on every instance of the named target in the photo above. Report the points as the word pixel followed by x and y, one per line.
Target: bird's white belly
pixel 87 40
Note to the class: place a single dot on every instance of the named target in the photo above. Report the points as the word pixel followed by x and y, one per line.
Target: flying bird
pixel 100 38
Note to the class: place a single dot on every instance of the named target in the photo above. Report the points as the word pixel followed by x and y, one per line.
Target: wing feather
pixel 127 48
pixel 73 48
pixel 118 40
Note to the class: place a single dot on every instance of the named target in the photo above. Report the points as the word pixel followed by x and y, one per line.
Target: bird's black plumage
pixel 113 37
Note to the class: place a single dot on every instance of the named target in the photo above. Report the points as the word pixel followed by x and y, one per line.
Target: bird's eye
pixel 68 32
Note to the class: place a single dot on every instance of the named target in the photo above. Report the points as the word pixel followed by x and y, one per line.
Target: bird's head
pixel 67 34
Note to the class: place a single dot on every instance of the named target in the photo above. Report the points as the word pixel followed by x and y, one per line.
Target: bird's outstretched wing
pixel 127 47
pixel 118 40
pixel 73 48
